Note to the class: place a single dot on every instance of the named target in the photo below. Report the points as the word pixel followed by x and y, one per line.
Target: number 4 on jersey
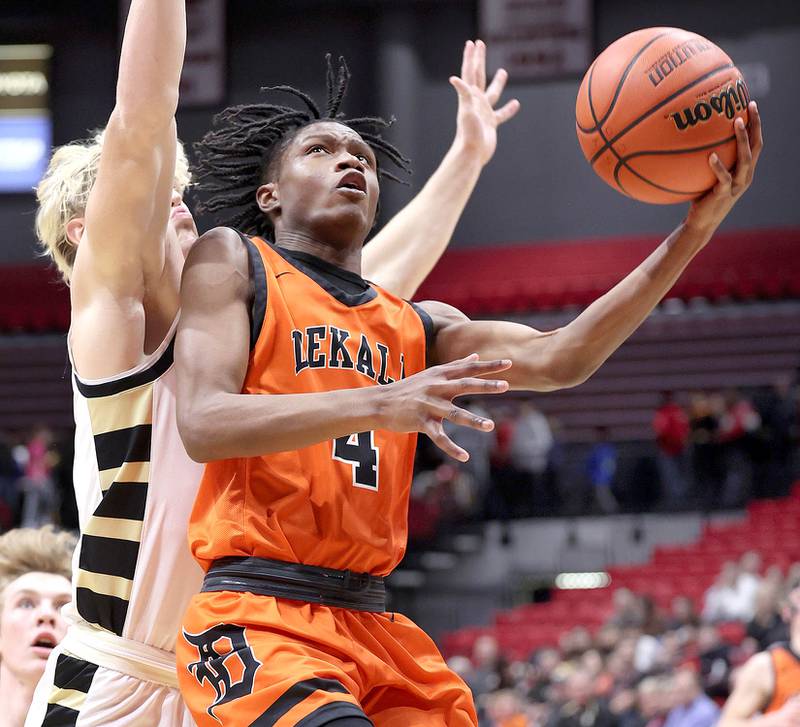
pixel 359 450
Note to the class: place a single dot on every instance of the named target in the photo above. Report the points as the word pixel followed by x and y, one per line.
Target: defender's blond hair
pixel 35 550
pixel 64 190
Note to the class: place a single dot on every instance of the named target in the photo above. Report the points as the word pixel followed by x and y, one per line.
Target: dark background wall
pixel 538 187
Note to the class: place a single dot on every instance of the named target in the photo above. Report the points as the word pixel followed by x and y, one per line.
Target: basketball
pixel 653 107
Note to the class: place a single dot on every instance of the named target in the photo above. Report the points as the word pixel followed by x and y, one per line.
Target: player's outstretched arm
pixel 752 693
pixel 402 254
pixel 216 421
pixel 122 252
pixel 568 356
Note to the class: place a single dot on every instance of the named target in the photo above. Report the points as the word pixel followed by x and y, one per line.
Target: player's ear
pixel 74 230
pixel 267 199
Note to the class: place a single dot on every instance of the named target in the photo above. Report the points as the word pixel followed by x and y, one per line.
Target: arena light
pixel 576 581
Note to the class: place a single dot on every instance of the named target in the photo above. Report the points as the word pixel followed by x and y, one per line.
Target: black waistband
pixel 264 577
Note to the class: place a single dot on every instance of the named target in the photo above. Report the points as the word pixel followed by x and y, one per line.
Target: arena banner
pixel 537 39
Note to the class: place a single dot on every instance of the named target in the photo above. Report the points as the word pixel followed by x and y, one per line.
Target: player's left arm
pixel 402 254
pixel 565 357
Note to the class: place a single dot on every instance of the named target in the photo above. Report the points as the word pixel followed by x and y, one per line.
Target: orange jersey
pixel 339 504
pixel 786 668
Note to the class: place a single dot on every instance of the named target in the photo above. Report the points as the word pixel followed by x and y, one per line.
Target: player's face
pixel 31 623
pixel 327 185
pixel 182 222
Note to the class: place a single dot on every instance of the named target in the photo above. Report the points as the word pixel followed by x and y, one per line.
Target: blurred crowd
pixel 709 451
pixel 643 667
pixel 36 480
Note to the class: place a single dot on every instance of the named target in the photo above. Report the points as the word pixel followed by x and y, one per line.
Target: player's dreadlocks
pixel 242 152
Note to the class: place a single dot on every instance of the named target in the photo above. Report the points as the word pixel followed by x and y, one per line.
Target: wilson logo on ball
pixel 732 99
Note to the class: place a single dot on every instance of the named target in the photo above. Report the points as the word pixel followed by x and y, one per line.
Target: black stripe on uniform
pixel 108 612
pixel 126 383
pixel 334 710
pixel 110 556
pixel 430 331
pixel 126 500
pixel 124 445
pixel 72 673
pixel 293 696
pixel 58 716
pixel 258 281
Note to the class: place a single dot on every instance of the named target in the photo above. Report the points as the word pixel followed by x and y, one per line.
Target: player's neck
pixel 346 256
pixel 15 698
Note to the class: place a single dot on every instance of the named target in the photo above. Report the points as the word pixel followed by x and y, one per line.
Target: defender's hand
pixel 477 118
pixel 421 402
pixel 706 213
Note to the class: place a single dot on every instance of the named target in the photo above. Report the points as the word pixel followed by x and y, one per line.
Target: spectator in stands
pixel 766 626
pixel 487 666
pixel 583 708
pixel 531 443
pixel 683 613
pixel 748 582
pixel 627 609
pixel 601 467
pixel 479 446
pixel 778 410
pixel 40 503
pixel 738 426
pixel 9 490
pixel 651 694
pixel 707 462
pixel 715 661
pixel 35 568
pixel 671 427
pixel 724 601
pixel 505 709
pixel 693 707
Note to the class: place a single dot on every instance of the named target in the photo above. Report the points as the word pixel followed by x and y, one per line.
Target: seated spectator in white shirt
pixel 749 581
pixel 724 601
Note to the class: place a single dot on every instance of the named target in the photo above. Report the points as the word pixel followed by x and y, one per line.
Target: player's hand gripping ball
pixel 653 107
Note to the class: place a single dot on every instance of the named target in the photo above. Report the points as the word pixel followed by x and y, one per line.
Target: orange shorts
pixel 248 660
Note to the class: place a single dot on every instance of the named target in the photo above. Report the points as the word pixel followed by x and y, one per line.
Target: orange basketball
pixel 651 109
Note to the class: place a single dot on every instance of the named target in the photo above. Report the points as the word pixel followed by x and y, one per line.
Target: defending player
pixel 112 216
pixel 767 691
pixel 304 386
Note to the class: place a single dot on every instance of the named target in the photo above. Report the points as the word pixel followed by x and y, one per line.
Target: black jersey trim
pixel 331 711
pixel 58 716
pixel 125 500
pixel 324 274
pixel 430 330
pixel 294 695
pixel 109 556
pixel 108 612
pixel 73 673
pixel 131 444
pixel 126 383
pixel 258 280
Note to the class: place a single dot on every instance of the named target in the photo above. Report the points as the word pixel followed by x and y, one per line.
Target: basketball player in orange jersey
pixel 304 386
pixel 111 215
pixel 767 690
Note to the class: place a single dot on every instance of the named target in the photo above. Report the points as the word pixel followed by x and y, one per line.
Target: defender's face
pixel 31 624
pixel 328 183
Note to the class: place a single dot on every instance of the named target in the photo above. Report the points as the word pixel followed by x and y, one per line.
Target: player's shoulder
pixel 442 314
pixel 222 245
pixel 757 672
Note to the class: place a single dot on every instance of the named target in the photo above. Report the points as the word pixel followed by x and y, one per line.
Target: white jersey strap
pixel 122 655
